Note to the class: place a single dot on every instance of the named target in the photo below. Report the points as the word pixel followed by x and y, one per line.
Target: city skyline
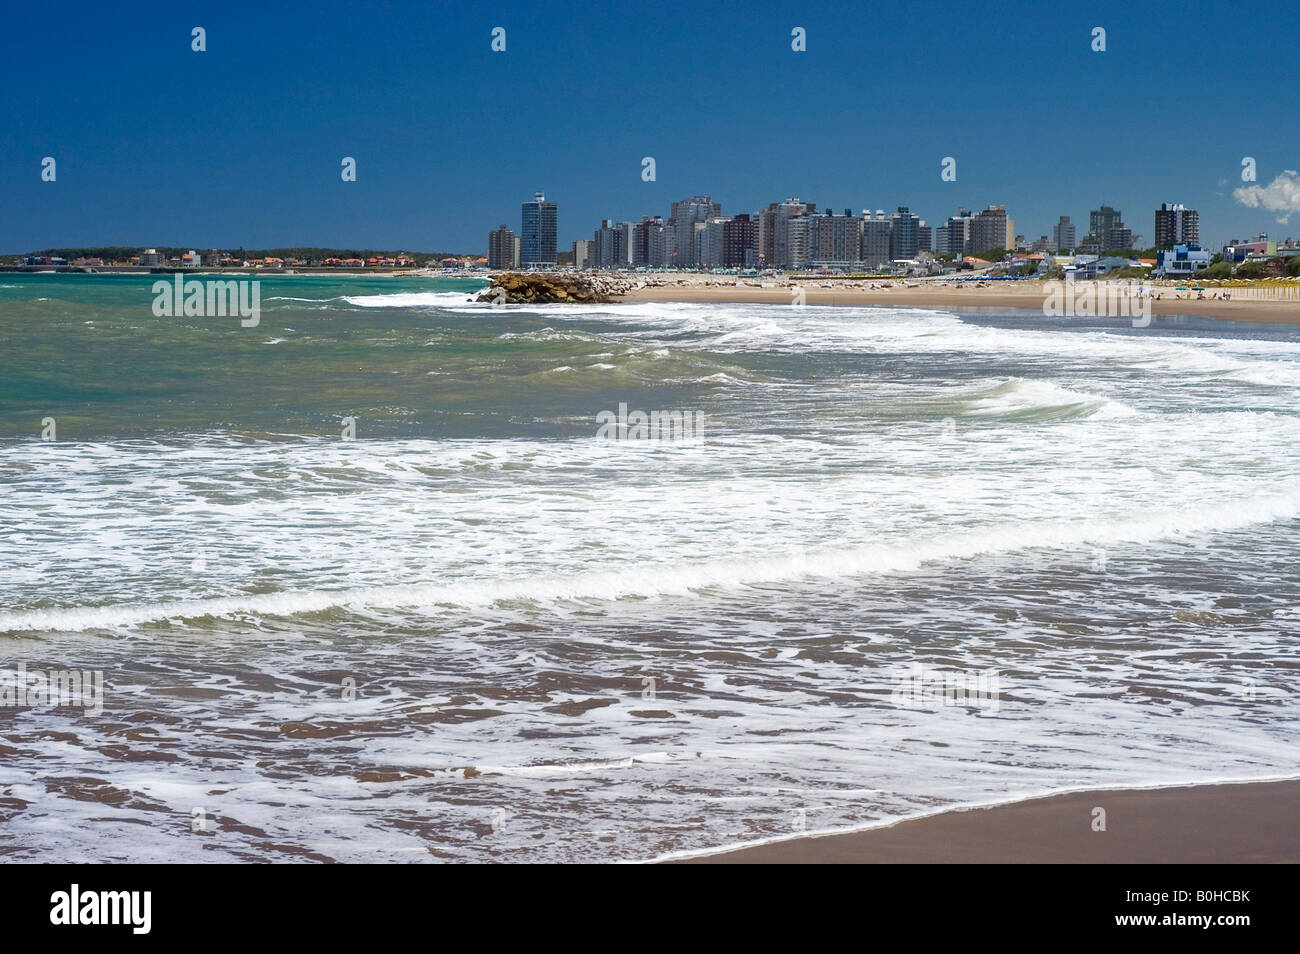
pixel 863 117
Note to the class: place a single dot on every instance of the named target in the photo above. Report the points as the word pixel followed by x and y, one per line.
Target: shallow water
pixel 567 648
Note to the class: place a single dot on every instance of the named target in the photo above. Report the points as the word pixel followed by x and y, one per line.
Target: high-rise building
pixel 766 219
pixel 1101 221
pixel 709 240
pixel 903 239
pixel 537 233
pixel 582 253
pixel 876 239
pixel 609 246
pixel 629 242
pixel 641 240
pixel 790 233
pixel 739 241
pixel 1177 225
pixel 686 213
pixel 988 231
pixel 1119 236
pixel 501 248
pixel 953 237
pixel 1063 235
pixel 924 237
pixel 1106 229
pixel 834 241
pixel 658 239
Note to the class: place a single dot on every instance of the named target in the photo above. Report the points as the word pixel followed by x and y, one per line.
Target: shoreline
pixel 1236 822
pixel 927 295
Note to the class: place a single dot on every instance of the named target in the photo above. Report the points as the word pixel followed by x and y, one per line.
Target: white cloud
pixel 1281 196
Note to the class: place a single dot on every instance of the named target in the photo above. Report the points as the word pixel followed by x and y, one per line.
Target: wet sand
pixel 1247 823
pixel 932 295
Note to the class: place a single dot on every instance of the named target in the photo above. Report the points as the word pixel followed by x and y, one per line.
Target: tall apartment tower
pixel 876 235
pixel 739 241
pixel 1063 235
pixel 582 253
pixel 924 237
pixel 953 237
pixel 904 240
pixel 834 240
pixel 537 233
pixel 686 213
pixel 988 230
pixel 609 246
pixel 501 248
pixel 1177 225
pixel 641 242
pixel 1101 221
pixel 790 232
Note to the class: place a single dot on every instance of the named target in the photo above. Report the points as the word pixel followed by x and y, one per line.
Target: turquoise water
pixel 476 631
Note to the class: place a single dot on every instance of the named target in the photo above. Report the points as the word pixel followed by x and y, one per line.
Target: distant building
pixel 641 240
pixel 1063 235
pixel 659 236
pixel 924 238
pixel 1181 261
pixel 686 214
pixel 501 247
pixel 582 253
pixel 1106 229
pixel 1095 268
pixel 766 219
pixel 1236 251
pixel 877 239
pixel 988 231
pixel 904 241
pixel 1101 221
pixel 537 233
pixel 708 240
pixel 608 246
pixel 834 241
pixel 152 257
pixel 1177 225
pixel 1119 237
pixel 789 239
pixel 739 241
pixel 953 237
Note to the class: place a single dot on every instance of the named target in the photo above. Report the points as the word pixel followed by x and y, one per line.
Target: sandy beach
pixel 931 294
pixel 1247 823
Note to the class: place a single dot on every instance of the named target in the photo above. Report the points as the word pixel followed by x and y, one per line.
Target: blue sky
pixel 241 144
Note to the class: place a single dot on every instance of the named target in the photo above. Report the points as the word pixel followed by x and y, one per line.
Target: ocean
pixel 363 583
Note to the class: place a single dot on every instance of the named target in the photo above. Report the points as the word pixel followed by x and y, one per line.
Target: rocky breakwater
pixel 519 288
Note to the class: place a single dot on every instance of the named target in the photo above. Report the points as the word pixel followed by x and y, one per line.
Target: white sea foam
pixel 411 299
pixel 1107 519
pixel 653 580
